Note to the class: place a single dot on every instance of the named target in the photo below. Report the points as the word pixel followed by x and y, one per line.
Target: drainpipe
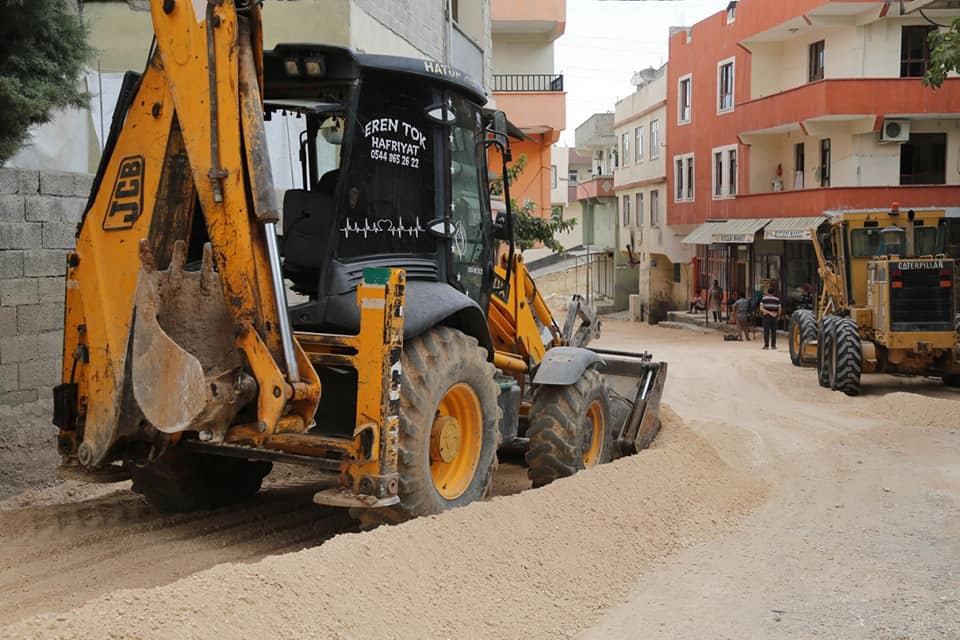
pixel 448 33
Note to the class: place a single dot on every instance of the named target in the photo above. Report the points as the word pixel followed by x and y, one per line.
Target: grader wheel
pixel 570 429
pixel 825 338
pixel 448 427
pixel 847 358
pixel 803 331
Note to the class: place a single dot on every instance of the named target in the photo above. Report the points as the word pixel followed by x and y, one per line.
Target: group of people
pixel 770 309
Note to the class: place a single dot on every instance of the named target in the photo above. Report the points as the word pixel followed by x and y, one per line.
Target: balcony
pixel 544 18
pixel 601 187
pixel 855 101
pixel 810 202
pixel 528 82
pixel 534 111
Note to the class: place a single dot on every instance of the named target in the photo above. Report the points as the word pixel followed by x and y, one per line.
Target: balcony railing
pixel 516 82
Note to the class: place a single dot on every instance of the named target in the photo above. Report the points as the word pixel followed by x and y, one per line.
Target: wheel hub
pixel 445 437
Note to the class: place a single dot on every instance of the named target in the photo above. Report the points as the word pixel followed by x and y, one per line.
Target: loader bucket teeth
pixel 186 370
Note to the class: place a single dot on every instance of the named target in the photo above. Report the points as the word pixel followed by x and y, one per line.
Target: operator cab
pixel 391 173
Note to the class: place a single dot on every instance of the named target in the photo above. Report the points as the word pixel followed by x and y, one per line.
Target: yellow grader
pixel 420 346
pixel 888 301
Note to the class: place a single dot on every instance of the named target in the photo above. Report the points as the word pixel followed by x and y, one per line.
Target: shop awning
pixel 739 231
pixel 791 228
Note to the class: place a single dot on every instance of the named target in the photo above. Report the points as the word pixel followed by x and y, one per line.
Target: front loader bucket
pixel 636 386
pixel 186 371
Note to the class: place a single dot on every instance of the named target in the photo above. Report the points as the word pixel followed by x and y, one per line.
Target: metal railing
pixel 528 82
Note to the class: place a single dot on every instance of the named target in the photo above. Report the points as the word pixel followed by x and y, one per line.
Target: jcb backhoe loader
pixel 888 300
pixel 185 367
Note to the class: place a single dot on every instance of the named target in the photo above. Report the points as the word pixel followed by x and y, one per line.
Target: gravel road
pixel 767 508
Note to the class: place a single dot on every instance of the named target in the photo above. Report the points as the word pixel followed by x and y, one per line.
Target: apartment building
pixel 527 88
pixel 455 32
pixel 640 183
pixel 779 111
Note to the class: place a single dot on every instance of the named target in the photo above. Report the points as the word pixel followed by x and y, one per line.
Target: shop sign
pixel 734 238
pixel 787 234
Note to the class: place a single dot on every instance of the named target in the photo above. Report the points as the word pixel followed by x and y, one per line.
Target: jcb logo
pixel 126 203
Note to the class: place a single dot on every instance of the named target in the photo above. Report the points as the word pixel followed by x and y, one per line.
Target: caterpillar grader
pixel 420 345
pixel 888 302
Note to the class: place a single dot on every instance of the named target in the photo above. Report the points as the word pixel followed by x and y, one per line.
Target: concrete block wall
pixel 39 213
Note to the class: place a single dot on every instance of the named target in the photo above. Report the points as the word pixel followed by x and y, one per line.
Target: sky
pixel 606 41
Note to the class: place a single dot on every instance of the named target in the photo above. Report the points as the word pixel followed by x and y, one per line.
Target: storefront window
pixel 800 277
pixel 766 275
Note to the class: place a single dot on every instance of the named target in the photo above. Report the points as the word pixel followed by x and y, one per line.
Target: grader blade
pixel 186 370
pixel 636 384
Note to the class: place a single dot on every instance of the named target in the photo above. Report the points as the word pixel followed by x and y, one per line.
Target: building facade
pixel 780 111
pixel 640 182
pixel 527 88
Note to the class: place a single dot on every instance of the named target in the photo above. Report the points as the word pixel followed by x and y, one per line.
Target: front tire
pixel 570 429
pixel 803 331
pixel 825 337
pixel 847 360
pixel 449 420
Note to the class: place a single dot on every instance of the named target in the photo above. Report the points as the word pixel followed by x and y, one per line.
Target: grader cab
pixel 888 301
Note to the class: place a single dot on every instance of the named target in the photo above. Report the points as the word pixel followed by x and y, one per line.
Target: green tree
pixel 529 229
pixel 944 54
pixel 42 51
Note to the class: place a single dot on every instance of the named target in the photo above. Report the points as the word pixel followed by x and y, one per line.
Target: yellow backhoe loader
pixel 888 300
pixel 414 353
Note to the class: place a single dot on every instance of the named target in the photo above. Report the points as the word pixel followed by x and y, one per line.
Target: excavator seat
pixel 308 222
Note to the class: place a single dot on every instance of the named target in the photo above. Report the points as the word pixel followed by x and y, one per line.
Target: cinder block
pixel 39 374
pixel 18 397
pixel 8 180
pixel 8 322
pixel 50 345
pixel 18 349
pixel 57 235
pixel 52 290
pixel 39 318
pixel 12 208
pixel 9 377
pixel 82 184
pixel 42 209
pixel 56 183
pixel 24 235
pixel 17 291
pixel 72 209
pixel 11 264
pixel 44 262
pixel 28 181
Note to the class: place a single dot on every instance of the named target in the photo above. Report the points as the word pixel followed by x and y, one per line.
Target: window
pixel 553 176
pixel 655 208
pixel 638 143
pixel 572 177
pixel 626 211
pixel 626 149
pixel 923 159
pixel 654 139
pixel 731 18
pixel 725 172
pixel 684 103
pixel 815 69
pixel 798 159
pixel 825 162
pixel 683 178
pixel 914 51
pixel 725 86
pixel 639 208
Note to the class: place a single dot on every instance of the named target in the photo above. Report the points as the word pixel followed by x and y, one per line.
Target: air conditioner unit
pixel 897 131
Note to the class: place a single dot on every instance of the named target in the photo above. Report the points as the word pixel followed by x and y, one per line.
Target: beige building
pixel 640 183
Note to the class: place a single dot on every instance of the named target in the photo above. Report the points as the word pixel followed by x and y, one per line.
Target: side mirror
pixel 501 230
pixel 500 128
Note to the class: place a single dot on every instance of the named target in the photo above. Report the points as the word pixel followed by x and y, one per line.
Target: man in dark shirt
pixel 770 308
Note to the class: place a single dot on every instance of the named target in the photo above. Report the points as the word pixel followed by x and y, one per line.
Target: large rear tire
pixel 570 429
pixel 847 360
pixel 825 337
pixel 449 420
pixel 182 481
pixel 803 331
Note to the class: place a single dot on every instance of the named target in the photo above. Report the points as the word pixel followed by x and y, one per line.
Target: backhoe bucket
pixel 636 386
pixel 186 371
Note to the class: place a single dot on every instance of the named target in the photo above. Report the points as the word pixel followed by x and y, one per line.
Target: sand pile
pixel 541 564
pixel 918 410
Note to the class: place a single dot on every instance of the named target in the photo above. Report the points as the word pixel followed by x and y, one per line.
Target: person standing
pixel 714 298
pixel 741 308
pixel 770 308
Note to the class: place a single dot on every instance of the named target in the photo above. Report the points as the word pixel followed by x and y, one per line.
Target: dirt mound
pixel 540 564
pixel 919 410
pixel 28 449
